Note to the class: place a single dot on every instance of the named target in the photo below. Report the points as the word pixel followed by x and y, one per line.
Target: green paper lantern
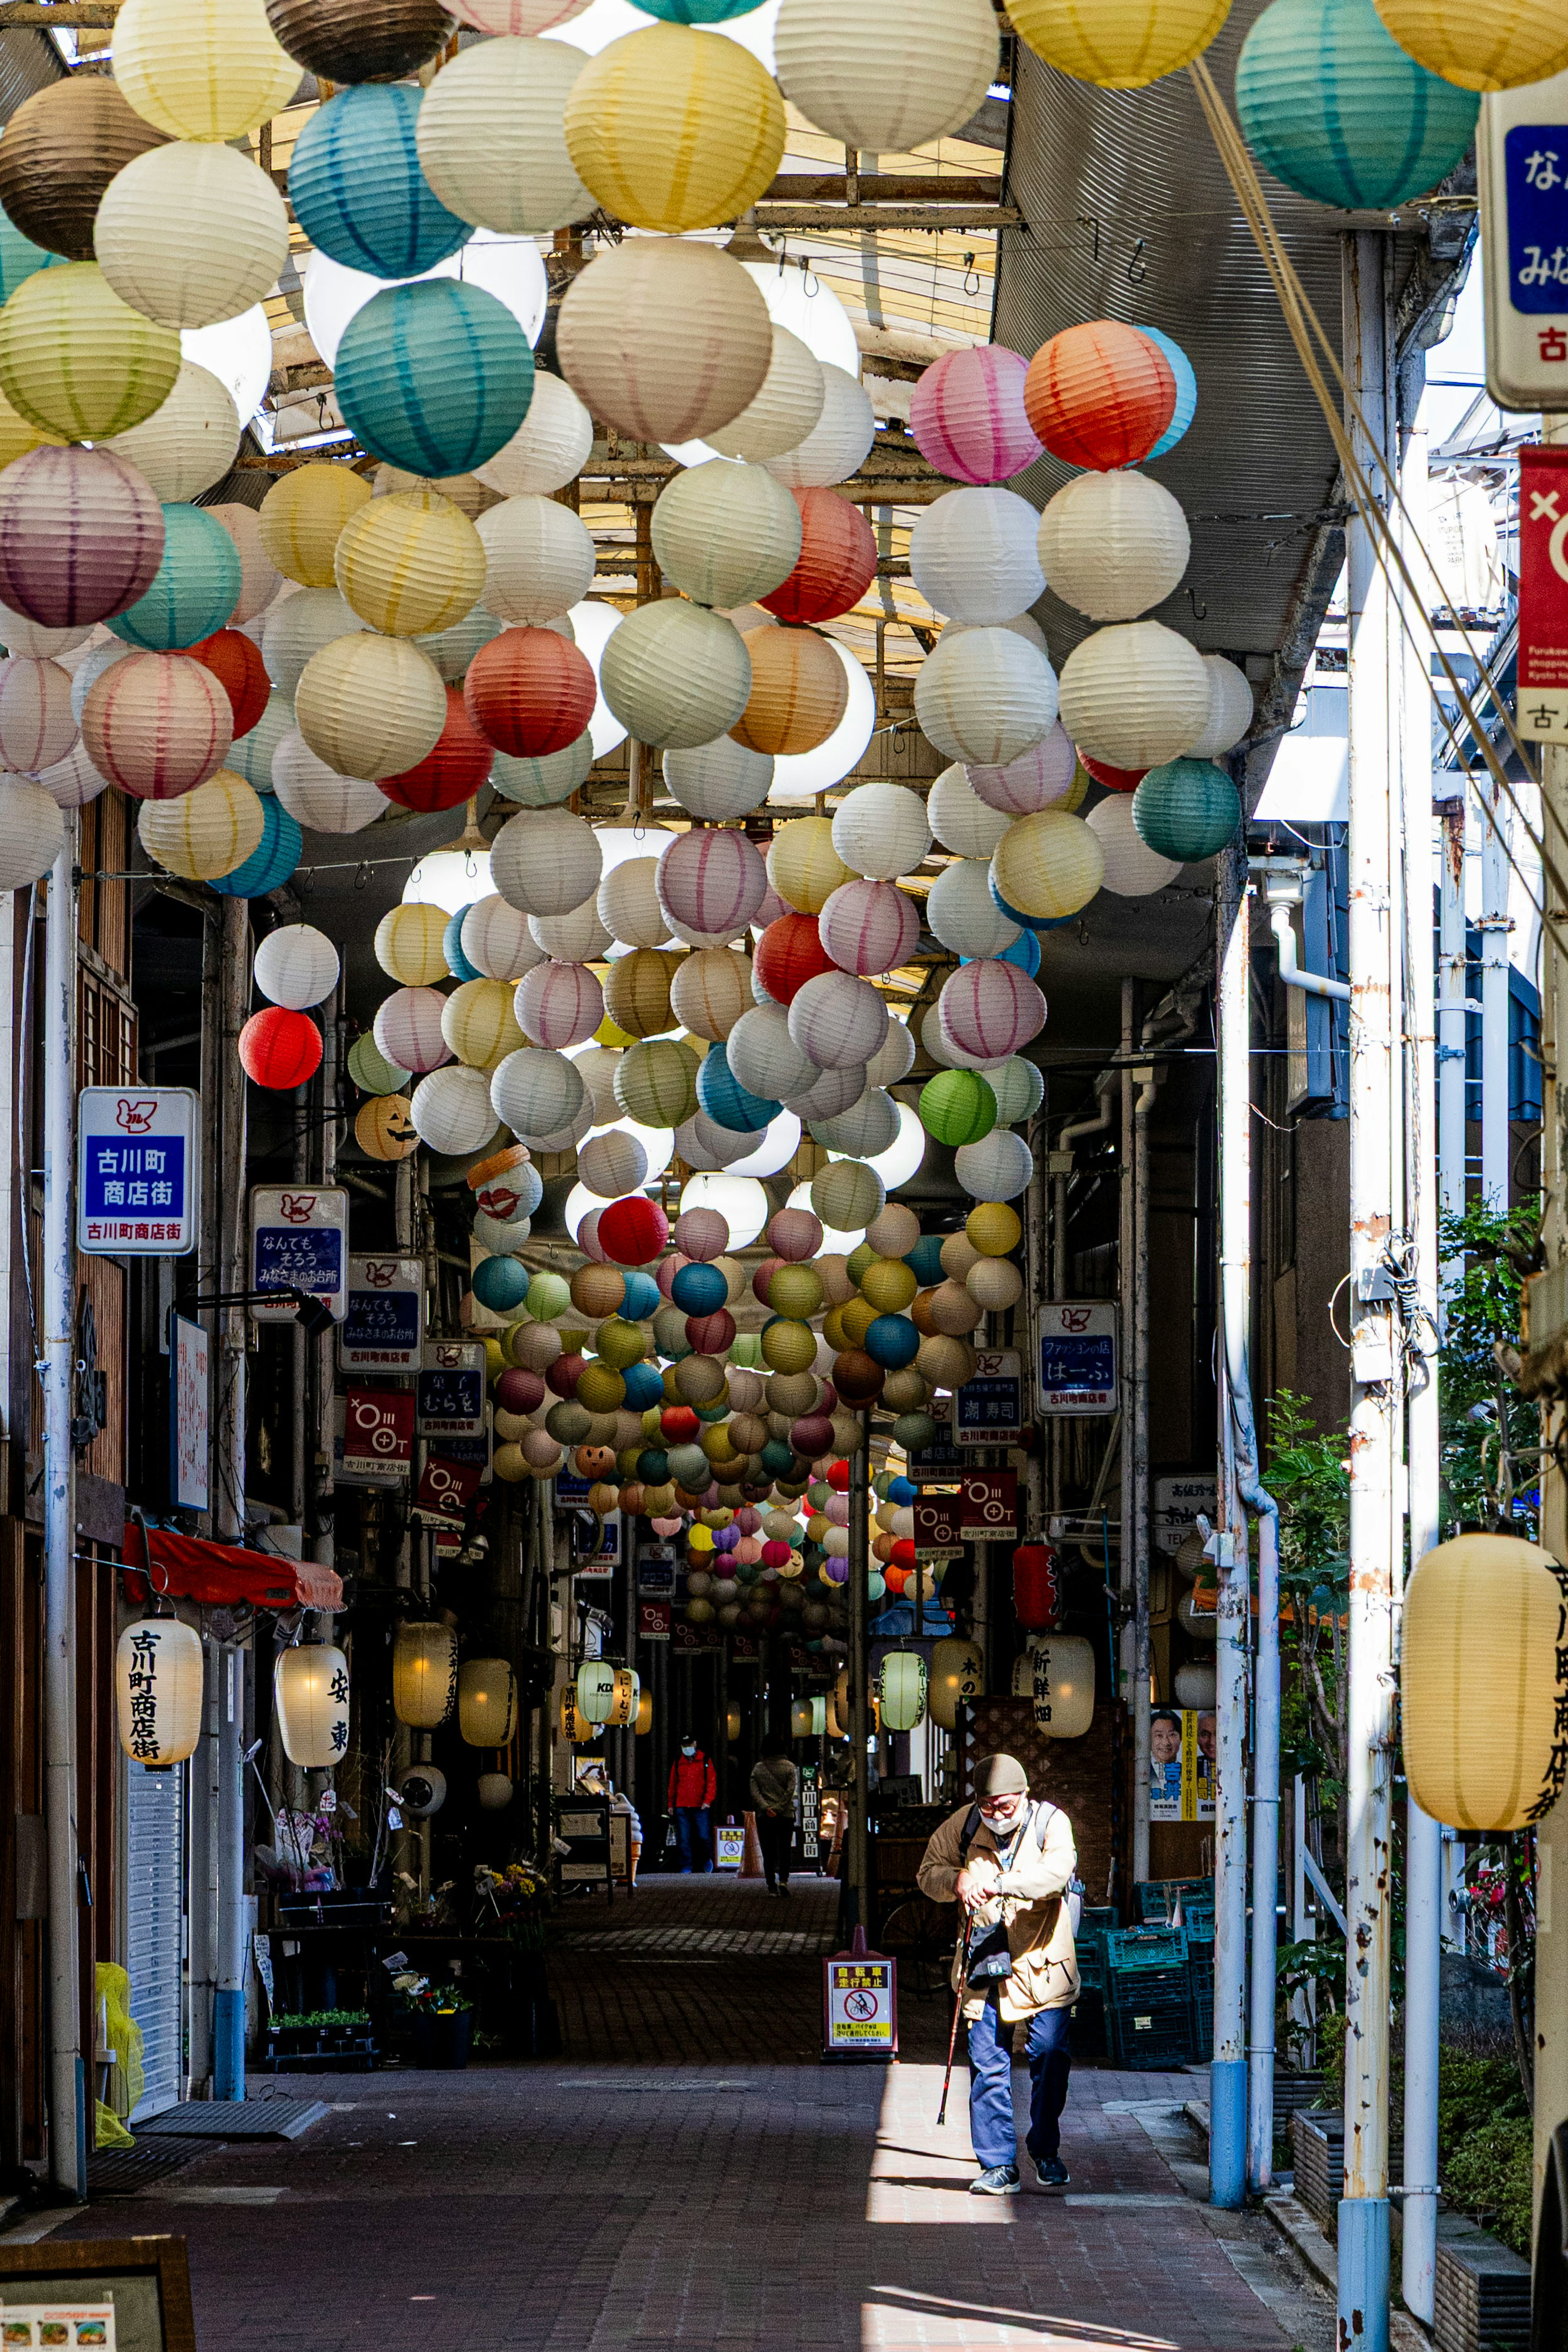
pixel 1187 810
pixel 372 1072
pixel 194 588
pixel 957 1106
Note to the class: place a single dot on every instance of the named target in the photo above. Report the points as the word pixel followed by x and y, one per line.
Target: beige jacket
pixel 1029 1900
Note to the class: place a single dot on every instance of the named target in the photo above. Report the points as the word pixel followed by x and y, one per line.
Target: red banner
pixel 378 1431
pixel 653 1620
pixel 990 1506
pixel 446 1489
pixel 1543 595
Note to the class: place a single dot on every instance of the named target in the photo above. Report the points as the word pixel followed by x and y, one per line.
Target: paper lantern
pixel 559 1004
pixel 1482 1681
pixel 358 192
pixel 311 1700
pixel 1496 49
pixel 838 1022
pixel 1099 394
pixel 628 906
pixel 273 859
pixel 798 692
pixel 783 412
pixel 72 781
pixel 728 1103
pixel 235 660
pixel 710 884
pixel 578 937
pixel 838 442
pixel 531 692
pixel 452 772
pixel 536 1094
pixel 296 966
pixel 1333 106
pixel 1046 776
pixel 451 1110
pixel 999 1169
pixel 864 1131
pixel 407 1029
pixel 901 1687
pixel 189 235
pixel 370 706
pixel 361 40
pixel 1187 810
pixel 847 1195
pixel 546 862
pixel 1045 868
pixel 487 1702
pixel 957 1679
pixel 546 780
pixel 881 831
pixel 676 676
pixel 790 951
pixel 671 130
pixel 496 939
pixel 435 376
pixel 540 560
pixel 299 626
pixel 194 590
pixel 157 725
pixel 632 1231
pixel 189 442
pixel 279 1049
pixel 19 256
pixel 610 1165
pixel 836 564
pixel 967 416
pixel 1119 43
pixel 1114 544
pixel 664 340
pixel 957 1106
pixel 409 564
pixel 1230 709
pixel 985 696
pixel 158 1675
pixel 370 1070
pixel 63 147
pixel 424 1674
pixel 478 1022
pixel 303 516
pixel 492 138
pixel 990 1010
pixel 869 927
pixel 709 993
pixel 17 436
pixel 1135 694
pixel 81 535
pixel 655 1082
pixel 972 555
pixel 409 945
pixel 452 649
pixel 316 796
pixel 726 534
pixel 764 1058
pixel 636 993
pixel 204 833
pixel 884 76
pixel 32 832
pixel 963 914
pixel 38 727
pixel 960 820
pixel 77 361
pixel 551 446
pixel 718 780
pixel 200 69
pixel 1132 870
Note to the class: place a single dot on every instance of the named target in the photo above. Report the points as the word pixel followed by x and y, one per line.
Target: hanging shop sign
pixel 687 1640
pixel 1522 157
pixel 1078 1356
pixel 445 1490
pixel 570 1490
pixel 298 1241
pixel 656 1574
pixel 1543 593
pixel 942 1464
pixel 451 1388
pixel 860 2006
pixel 602 1552
pixel 138 1168
pixel 654 1620
pixel 188 1415
pixel 378 1433
pixel 988 1410
pixel 938 1532
pixel 990 1506
pixel 1177 1503
pixel 384 1327
pixel 480 1451
pixel 808 1810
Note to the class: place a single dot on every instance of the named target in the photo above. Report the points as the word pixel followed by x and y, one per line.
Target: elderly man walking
pixel 1009 1861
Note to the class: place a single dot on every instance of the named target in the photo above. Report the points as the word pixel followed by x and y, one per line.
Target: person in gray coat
pixel 774 1779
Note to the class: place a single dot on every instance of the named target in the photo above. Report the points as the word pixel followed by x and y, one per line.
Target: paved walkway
pixel 690 2175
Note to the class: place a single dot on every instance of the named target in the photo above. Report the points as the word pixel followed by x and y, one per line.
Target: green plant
pixel 1491 1442
pixel 1309 1477
pixel 295 2020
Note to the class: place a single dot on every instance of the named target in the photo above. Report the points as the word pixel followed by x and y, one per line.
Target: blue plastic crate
pixel 1130 1949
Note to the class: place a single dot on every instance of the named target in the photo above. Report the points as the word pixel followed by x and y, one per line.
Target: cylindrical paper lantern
pixel 539 560
pixel 836 564
pixel 799 694
pixel 676 676
pixel 1112 545
pixel 1331 105
pixel 424 1674
pixel 358 192
pixel 235 660
pixel 189 442
pixel 435 376
pixel 1099 394
pixel 204 833
pixel 999 1169
pixel 296 966
pixel 531 692
pixel 967 416
pixel 189 235
pixel 985 696
pixel 1135 694
pixel 672 131
pixel 38 726
pixel 1188 810
pixel 492 136
pixel 480 1022
pixel 487 1702
pixel 81 535
pixel 311 1695
pixel 302 517
pixel 546 862
pixel 407 1029
pixel 77 361
pixel 63 147
pixel 315 796
pixel 1482 1684
pixel 202 68
pixel 870 926
pixel 666 340
pixel 410 563
pixel 1045 868
pixel 1119 43
pixel 883 77
pixel 158 1671
pixel 451 1109
pixel 785 409
pixel 157 725
pixel 194 590
pixel 973 556
pixel 1057 1673
pixel 881 831
pixel 1046 776
pixel 1132 870
pixel 32 832
pixel 957 1679
pixel 726 535
pixel 370 706
pixel 1519 41
pixel 711 991
pixel 279 1049
pixel 552 444
pixel 840 1022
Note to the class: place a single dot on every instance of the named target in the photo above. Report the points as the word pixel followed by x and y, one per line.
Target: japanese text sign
pixel 988 1410
pixel 1523 170
pixel 378 1433
pixel 1543 594
pixel 1078 1356
pixel 188 1396
pixel 384 1327
pixel 138 1161
pixel 990 1506
pixel 451 1388
pixel 298 1241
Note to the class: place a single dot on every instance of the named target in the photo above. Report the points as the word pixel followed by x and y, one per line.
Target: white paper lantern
pixel 1114 545
pixel 72 781
pixel 497 942
pixel 726 534
pixel 407 1029
pixel 37 724
pixel 1135 694
pixel 1230 709
pixel 801 775
pixel 1132 870
pixel 612 1165
pixel 545 782
pixel 710 884
pixel 665 338
pixel 536 1094
pixel 316 796
pixel 190 442
pixel 296 966
pixel 739 1199
pixel 867 1127
pixel 869 927
pixel 190 233
pixel 491 138
pixel 546 862
pixel 158 1690
pixel 998 1168
pixel 765 1058
pixel 990 1009
pixel 960 819
pixel 881 831
pixel 451 1109
pixel 88 670
pixel 838 442
pixel 787 407
pixel 628 904
pixel 971 555
pixel 1019 1090
pixel 839 1021
pixel 578 938
pixel 676 676
pixel 1046 776
pixel 550 448
pixel 964 915
pixel 831 1092
pixel 297 627
pixel 886 75
pixel 563 1139
pixel 706 1146
pixel 985 696
pixel 310 1699
pixel 540 557
pixel 894 1057
pixel 719 780
pixel 559 1004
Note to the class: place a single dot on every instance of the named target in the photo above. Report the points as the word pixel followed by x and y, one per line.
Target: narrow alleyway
pixel 687 2173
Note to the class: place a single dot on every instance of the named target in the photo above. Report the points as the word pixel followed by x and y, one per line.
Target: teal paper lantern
pixel 500 1283
pixel 892 1341
pixel 434 377
pixel 20 258
pixel 273 859
pixel 358 192
pixel 1332 106
pixel 457 963
pixel 957 1106
pixel 1186 406
pixel 924 1260
pixel 697 12
pixel 194 588
pixel 729 1105
pixel 251 756
pixel 1188 809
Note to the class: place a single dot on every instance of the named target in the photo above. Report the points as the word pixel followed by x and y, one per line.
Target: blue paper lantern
pixel 1026 923
pixel 1188 809
pixel 644 1386
pixel 1331 105
pixel 194 588
pixel 892 1341
pixel 924 1260
pixel 500 1283
pixel 1024 952
pixel 273 859
pixel 697 12
pixel 902 1493
pixel 358 192
pixel 434 377
pixel 728 1103
pixel 20 258
pixel 698 1289
pixel 1186 406
pixel 457 963
pixel 643 1298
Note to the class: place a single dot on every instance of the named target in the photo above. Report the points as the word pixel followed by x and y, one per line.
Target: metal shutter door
pixel 154 1874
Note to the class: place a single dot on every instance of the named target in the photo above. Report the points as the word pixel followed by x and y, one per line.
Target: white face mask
pixel 688 1747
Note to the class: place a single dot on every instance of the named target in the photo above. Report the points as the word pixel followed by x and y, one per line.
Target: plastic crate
pixel 1093 1930
pixel 1088 2024
pixel 1130 1949
pixel 1155 1899
pixel 1151 2038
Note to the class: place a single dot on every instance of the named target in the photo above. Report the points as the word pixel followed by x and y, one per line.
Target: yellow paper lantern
pixel 204 833
pixel 627 1700
pixel 957 1679
pixel 675 128
pixel 901 1688
pixel 487 1702
pixel 1062 1685
pixel 302 517
pixel 158 1690
pixel 424 1674
pixel 410 945
pixel 803 868
pixel 385 1128
pixel 78 362
pixel 370 706
pixel 478 1024
pixel 1497 46
pixel 1482 1684
pixel 645 1713
pixel 410 564
pixel 994 1228
pixel 637 992
pixel 788 1346
pixel 202 68
pixel 311 1699
pixel 888 1285
pixel 1118 44
pixel 1048 866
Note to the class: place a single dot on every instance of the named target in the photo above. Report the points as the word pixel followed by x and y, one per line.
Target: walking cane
pixel 957 2011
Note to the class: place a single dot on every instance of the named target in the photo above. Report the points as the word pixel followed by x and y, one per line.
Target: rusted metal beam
pixel 885 216
pixel 90 14
pixel 884 188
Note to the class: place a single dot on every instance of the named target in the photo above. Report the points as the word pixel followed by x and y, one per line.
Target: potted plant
pixel 443 2024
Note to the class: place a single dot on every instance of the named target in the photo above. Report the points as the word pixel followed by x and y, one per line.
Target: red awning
pixel 188 1569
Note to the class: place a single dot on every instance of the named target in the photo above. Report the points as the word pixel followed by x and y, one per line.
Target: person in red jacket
pixel 693 1785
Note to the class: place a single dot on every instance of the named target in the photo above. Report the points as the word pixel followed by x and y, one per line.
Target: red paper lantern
pixel 531 692
pixel 1036 1588
pixel 564 1375
pixel 775 1555
pixel 788 954
pixel 838 1477
pixel 279 1049
pixel 1115 780
pixel 895 1579
pixel 710 1334
pixel 902 1555
pixel 857 1377
pixel 680 1425
pixel 634 1230
pixel 237 663
pixel 451 774
pixel 1099 395
pixel 518 1391
pixel 763 1278
pixel 837 561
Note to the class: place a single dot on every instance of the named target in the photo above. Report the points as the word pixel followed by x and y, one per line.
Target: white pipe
pixel 1290 972
pixel 1497 828
pixel 67 2095
pixel 1452 1007
pixel 1105 1090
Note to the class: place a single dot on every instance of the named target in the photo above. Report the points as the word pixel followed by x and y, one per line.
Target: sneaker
pixel 996 2180
pixel 1051 2172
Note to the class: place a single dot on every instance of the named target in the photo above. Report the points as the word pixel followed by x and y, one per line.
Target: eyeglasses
pixel 1003 1805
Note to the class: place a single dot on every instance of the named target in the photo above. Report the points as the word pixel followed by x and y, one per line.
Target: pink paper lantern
pixel 710 882
pixel 588 1240
pixel 748 1520
pixel 702 1234
pixel 836 1510
pixel 771 907
pixel 157 724
pixel 869 927
pixel 407 1027
pixel 990 1009
pixel 763 1278
pixel 795 1235
pixel 38 725
pixel 559 1004
pixel 811 1435
pixel 775 1555
pixel 669 1267
pixel 81 536
pixel 748 1551
pixel 1042 778
pixel 710 1334
pixel 967 416
pixel 668 1528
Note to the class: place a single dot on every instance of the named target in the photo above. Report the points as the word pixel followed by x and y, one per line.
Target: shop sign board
pixel 653 1620
pixel 384 1325
pixel 445 1490
pixel 939 1534
pixel 138 1170
pixel 941 1465
pixel 808 1808
pixel 604 1555
pixel 188 1415
pixel 1522 155
pixel 1177 1503
pixel 860 2006
pixel 687 1640
pixel 988 1410
pixel 378 1433
pixel 1543 593
pixel 1078 1356
pixel 990 1500
pixel 451 1388
pixel 298 1241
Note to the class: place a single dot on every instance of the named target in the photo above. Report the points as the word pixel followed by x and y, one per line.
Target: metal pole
pixel 1228 2071
pixel 228 2012
pixel 1035 1228
pixel 201 1962
pixel 1364 2236
pixel 1135 1540
pixel 68 2090
pixel 1451 992
pixel 858 1872
pixel 1126 1283
pixel 1497 831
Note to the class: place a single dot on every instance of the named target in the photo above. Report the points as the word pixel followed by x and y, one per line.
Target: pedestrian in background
pixel 693 1785
pixel 773 1782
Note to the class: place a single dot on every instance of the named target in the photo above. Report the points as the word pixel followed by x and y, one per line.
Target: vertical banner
pixel 188 1415
pixel 1543 594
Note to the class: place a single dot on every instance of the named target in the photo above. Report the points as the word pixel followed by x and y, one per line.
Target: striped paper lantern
pixel 1116 544
pixel 968 418
pixel 559 1004
pixel 452 772
pixel 675 676
pixel 718 780
pixel 836 564
pixel 358 192
pixel 81 535
pixel 547 781
pixel 637 992
pixel 531 692
pixel 204 833
pixel 73 782
pixel 407 1029
pixel 1043 777
pixel 235 660
pixel 63 147
pixel 673 131
pixel 1119 43
pixel 480 1022
pixel 990 1010
pixel 296 627
pixel 202 68
pixel 799 692
pixel 273 859
pixel 869 927
pixel 497 940
pixel 316 796
pixel 361 40
pixel 38 726
pixel 709 991
pixel 302 517
pixel 1497 47
pixel 1099 395
pixel 77 361
pixel 710 884
pixel 664 339
pixel 157 725
pixel 783 411
pixel 726 534
pixel 550 448
pixel 189 235
pixel 1135 694
pixel 410 564
pixel 435 376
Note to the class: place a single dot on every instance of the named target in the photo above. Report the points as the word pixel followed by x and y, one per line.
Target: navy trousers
pixel 991 2125
pixel 691 1832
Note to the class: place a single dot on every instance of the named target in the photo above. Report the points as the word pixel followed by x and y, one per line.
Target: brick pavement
pixel 689 2175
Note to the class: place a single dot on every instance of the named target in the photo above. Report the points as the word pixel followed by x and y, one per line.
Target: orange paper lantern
pixel 799 691
pixel 531 692
pixel 1099 395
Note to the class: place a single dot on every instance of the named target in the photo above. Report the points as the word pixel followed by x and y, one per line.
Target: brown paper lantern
pixel 61 151
pixel 638 992
pixel 799 691
pixel 361 40
pixel 384 1128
